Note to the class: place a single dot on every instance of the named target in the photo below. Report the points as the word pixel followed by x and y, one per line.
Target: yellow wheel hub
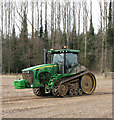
pixel 88 83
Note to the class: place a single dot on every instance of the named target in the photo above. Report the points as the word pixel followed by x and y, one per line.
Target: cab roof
pixel 64 51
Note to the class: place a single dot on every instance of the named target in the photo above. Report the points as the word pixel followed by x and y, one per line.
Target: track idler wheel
pixel 76 92
pixel 71 92
pixel 88 83
pixel 80 92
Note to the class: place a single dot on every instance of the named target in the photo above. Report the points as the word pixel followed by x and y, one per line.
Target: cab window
pixel 71 59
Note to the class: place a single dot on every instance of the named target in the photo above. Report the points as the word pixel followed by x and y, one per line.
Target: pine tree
pixel 41 26
pixel 24 43
pixel 24 31
pixel 14 52
pixel 110 39
pixel 91 47
pixel 110 30
pixel 46 44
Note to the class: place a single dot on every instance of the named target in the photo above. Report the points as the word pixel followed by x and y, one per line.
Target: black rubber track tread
pixel 73 78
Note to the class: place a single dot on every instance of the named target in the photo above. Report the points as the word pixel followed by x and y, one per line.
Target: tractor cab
pixel 65 60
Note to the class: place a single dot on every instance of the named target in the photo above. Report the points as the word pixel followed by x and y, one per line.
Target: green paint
pixel 64 50
pixel 45 74
pixel 21 84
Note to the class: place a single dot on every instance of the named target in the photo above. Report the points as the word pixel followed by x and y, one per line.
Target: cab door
pixel 71 63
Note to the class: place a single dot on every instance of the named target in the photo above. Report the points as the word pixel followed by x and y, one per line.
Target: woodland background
pixel 23 49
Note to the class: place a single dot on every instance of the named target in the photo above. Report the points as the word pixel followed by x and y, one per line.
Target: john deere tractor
pixel 63 75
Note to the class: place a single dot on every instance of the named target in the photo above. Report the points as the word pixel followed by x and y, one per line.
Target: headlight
pixel 25 71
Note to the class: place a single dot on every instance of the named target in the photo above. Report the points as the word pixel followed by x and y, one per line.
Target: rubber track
pixel 70 78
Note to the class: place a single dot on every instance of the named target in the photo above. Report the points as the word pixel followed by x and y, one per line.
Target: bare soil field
pixel 24 104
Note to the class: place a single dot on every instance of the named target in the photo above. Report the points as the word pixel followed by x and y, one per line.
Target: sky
pixel 95 14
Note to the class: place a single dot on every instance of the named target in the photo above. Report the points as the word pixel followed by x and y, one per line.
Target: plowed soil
pixel 24 104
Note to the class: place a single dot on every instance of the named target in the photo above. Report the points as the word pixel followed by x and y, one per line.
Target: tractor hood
pixel 30 79
pixel 39 67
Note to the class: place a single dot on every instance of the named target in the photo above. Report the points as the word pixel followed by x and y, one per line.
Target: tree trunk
pixel 32 19
pixel 79 9
pixel 58 17
pixel 2 14
pixel 37 17
pixel 105 37
pixel 74 41
pixel 68 24
pixel 102 36
pixel 52 25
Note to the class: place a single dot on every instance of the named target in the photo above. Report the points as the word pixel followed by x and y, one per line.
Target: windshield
pixel 58 58
pixel 71 59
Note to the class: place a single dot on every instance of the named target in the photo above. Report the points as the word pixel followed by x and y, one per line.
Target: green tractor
pixel 63 75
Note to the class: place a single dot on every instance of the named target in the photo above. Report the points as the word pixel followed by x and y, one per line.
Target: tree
pixel 64 24
pixel 102 36
pixel 41 26
pixel 79 10
pixel 113 41
pixel 91 49
pixel 74 39
pixel 37 18
pixel 1 35
pixel 32 19
pixel 52 25
pixel 110 38
pixel 46 44
pixel 14 52
pixel 23 44
pixel 85 14
pixel 68 23
pixel 105 36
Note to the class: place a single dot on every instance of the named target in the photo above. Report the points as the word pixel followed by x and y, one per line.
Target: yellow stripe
pixel 44 67
pixel 94 83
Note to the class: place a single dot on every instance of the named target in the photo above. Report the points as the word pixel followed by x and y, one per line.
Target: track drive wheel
pixel 88 83
pixel 40 91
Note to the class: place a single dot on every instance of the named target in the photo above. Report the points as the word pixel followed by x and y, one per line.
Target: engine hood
pixel 39 67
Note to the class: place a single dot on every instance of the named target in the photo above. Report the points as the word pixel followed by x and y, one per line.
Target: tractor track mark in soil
pixel 66 104
pixel 19 110
pixel 102 93
pixel 27 109
pixel 14 101
pixel 23 98
pixel 5 100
